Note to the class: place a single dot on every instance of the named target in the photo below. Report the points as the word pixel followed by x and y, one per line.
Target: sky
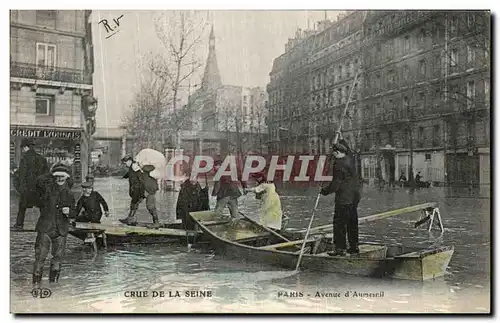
pixel 246 43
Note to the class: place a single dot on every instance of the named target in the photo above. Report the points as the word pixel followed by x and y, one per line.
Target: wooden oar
pixel 307 233
pixel 264 227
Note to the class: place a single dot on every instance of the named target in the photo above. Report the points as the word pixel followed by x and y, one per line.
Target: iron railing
pixel 31 71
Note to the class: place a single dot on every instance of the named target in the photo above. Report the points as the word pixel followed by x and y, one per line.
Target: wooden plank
pixel 209 223
pixel 285 244
pixel 379 216
pixel 135 230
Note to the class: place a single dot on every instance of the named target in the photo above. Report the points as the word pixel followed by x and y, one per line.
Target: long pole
pixel 307 233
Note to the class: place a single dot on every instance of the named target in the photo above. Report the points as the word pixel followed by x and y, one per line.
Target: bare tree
pixel 180 32
pixel 148 114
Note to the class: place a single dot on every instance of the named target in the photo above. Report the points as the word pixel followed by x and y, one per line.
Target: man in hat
pixel 227 193
pixel 136 188
pixel 345 185
pixel 150 189
pixel 91 202
pixel 31 166
pixel 52 227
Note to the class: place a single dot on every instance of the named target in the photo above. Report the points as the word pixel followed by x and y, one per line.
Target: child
pixel 90 202
pixel 150 187
pixel 270 205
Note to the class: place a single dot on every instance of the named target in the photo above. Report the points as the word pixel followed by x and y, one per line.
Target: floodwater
pixel 101 282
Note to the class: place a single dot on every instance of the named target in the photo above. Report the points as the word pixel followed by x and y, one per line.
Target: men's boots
pixel 37 279
pixel 156 223
pixel 130 219
pixel 54 275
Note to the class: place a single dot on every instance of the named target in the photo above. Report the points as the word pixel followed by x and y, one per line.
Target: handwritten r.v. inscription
pixel 111 30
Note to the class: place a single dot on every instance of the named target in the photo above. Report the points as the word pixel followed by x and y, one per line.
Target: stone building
pixel 422 91
pixel 426 95
pixel 310 85
pixel 51 97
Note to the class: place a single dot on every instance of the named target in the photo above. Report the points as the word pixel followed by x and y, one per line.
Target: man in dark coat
pixel 192 198
pixel 57 206
pixel 31 166
pixel 136 188
pixel 227 192
pixel 345 185
pixel 91 202
pixel 150 189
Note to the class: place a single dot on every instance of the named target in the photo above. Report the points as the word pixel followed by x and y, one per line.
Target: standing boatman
pixel 345 185
pixel 136 188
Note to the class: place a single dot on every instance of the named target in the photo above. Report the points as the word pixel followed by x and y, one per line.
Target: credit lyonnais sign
pixel 46 133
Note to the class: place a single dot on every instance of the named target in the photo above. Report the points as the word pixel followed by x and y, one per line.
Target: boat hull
pixel 374 260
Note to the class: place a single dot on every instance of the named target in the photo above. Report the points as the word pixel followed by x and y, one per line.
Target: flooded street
pixel 98 282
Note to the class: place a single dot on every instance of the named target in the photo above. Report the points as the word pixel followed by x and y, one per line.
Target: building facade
pixel 420 100
pixel 311 83
pixel 51 96
pixel 426 96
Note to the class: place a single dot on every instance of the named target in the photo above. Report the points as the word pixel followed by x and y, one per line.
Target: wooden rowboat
pixel 120 234
pixel 247 240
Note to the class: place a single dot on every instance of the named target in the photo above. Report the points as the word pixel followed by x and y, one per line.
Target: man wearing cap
pixel 345 185
pixel 91 202
pixel 136 188
pixel 227 193
pixel 31 166
pixel 57 207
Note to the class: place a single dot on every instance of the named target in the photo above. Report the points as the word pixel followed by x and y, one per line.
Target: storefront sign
pixel 45 133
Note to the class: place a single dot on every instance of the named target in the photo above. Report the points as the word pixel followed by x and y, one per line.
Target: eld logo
pixel 41 293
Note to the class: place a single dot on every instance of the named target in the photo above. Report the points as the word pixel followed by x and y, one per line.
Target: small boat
pixel 245 239
pixel 120 234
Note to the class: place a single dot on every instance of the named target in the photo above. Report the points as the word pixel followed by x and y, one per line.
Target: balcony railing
pixel 31 71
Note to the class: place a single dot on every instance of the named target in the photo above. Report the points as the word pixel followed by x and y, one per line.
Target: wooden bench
pixel 286 244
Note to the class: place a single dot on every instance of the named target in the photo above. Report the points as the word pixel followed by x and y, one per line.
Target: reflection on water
pixel 98 282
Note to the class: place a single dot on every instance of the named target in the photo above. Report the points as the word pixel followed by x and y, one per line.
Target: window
pixel 471 19
pixel 406 44
pixel 436 136
pixel 377 80
pixel 427 157
pixel 454 57
pixel 421 67
pixel 43 105
pixel 390 49
pixel 340 72
pixel 392 77
pixel 406 73
pixel 379 48
pixel 348 69
pixel 470 54
pixel 406 138
pixel 389 134
pixel 45 55
pixel 421 99
pixel 377 138
pixel 406 106
pixel 471 93
pixel 454 24
pixel 421 38
pixel 421 138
